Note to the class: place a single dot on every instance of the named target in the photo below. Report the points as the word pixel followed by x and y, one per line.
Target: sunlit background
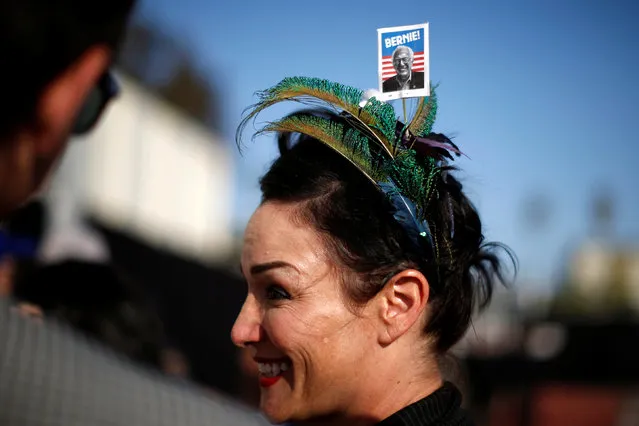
pixel 542 96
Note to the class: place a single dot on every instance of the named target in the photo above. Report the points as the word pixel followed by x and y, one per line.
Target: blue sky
pixel 542 95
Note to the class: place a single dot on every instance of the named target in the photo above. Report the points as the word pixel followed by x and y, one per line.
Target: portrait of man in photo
pixel 406 78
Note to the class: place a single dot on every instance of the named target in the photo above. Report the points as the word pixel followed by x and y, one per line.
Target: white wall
pixel 151 170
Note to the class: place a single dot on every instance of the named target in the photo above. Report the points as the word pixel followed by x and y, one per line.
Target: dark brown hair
pixel 357 221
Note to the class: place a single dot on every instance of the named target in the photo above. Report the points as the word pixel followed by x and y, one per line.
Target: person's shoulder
pixel 45 364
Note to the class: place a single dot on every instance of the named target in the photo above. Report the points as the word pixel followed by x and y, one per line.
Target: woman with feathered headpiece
pixel 364 262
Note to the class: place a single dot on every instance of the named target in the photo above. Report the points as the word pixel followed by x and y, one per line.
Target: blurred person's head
pixel 55 81
pixel 97 301
pixel 351 306
pixel 403 61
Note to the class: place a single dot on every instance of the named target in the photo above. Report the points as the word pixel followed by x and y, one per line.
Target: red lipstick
pixel 271 370
pixel 267 382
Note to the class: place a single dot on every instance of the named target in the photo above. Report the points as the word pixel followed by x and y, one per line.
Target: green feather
pixel 424 118
pixel 378 116
pixel 348 142
pixel 415 176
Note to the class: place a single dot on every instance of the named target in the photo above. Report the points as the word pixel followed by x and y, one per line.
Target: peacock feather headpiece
pixel 396 157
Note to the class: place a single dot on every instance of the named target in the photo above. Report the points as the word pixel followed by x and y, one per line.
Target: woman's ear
pixel 401 304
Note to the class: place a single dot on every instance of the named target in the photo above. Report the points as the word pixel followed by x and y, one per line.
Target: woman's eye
pixel 275 292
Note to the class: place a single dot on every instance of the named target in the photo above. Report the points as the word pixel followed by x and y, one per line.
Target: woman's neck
pixel 387 392
pixel 402 393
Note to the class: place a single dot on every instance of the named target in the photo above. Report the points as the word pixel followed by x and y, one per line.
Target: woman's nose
pixel 246 329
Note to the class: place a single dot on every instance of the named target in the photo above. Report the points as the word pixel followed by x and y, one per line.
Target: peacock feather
pixel 376 117
pixel 348 142
pixel 394 156
pixel 424 118
pixel 414 176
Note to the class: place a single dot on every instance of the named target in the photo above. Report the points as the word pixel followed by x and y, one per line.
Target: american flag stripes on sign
pixel 387 65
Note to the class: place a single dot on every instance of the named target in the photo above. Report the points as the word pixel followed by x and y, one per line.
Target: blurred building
pixel 150 191
pixel 602 278
pixel 152 171
pixel 577 363
pixel 497 330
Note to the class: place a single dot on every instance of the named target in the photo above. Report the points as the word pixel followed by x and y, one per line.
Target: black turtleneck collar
pixel 441 408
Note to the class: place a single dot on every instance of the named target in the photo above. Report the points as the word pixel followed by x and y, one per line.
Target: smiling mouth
pixel 271 371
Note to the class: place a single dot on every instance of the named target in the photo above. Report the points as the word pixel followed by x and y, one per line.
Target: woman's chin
pixel 275 415
pixel 277 410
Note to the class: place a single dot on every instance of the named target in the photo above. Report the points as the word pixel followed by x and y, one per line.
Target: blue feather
pixel 406 215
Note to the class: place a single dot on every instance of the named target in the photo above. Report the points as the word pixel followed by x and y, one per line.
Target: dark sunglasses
pixel 103 92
